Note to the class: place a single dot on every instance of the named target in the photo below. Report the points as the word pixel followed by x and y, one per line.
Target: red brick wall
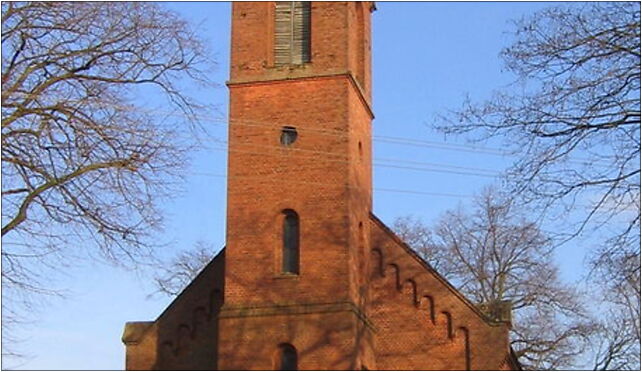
pixel 334 42
pixel 421 321
pixel 324 336
pixel 361 298
pixel 185 335
pixel 140 345
pixel 325 176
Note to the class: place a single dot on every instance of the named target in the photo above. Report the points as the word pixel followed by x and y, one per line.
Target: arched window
pixel 290 242
pixel 292 33
pixel 287 358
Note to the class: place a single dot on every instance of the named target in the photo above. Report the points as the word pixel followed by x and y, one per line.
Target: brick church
pixel 310 278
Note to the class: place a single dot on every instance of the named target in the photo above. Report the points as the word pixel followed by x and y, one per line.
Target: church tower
pixel 310 278
pixel 299 187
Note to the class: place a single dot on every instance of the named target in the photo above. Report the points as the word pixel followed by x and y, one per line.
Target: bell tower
pixel 299 187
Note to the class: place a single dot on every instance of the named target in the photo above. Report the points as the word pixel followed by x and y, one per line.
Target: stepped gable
pixel 420 316
pixel 184 335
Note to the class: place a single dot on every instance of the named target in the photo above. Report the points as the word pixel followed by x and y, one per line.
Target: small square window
pixel 288 136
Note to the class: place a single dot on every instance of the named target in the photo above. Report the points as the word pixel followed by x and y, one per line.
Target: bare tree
pixel 572 119
pixel 175 275
pixel 616 279
pixel 614 346
pixel 618 276
pixel 492 254
pixel 421 238
pixel 573 115
pixel 84 165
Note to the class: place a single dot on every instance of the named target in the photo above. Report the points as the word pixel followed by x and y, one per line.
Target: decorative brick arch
pixel 377 260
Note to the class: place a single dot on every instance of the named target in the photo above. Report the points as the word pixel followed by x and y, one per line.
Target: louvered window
pixel 292 33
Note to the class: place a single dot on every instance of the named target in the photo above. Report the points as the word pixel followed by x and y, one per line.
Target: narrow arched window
pixel 287 358
pixel 292 33
pixel 290 242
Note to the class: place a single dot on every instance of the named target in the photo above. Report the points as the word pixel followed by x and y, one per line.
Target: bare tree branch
pixel 492 254
pixel 84 167
pixel 572 119
pixel 175 275
pixel 577 98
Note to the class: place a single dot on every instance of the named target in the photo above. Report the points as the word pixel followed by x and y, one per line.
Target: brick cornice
pixel 237 311
pixel 134 332
pixel 290 78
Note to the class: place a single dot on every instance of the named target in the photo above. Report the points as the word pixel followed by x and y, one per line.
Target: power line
pixel 329 132
pixel 394 166
pixel 443 146
pixel 436 170
pixel 341 156
pixel 342 133
pixel 398 140
pixel 289 181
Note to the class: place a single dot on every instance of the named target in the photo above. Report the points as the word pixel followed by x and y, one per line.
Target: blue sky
pixel 426 58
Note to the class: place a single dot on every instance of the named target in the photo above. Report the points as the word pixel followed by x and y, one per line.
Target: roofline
pixel 222 251
pixel 514 360
pixel 439 277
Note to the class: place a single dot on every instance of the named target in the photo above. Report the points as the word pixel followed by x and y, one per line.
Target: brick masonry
pixel 362 299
